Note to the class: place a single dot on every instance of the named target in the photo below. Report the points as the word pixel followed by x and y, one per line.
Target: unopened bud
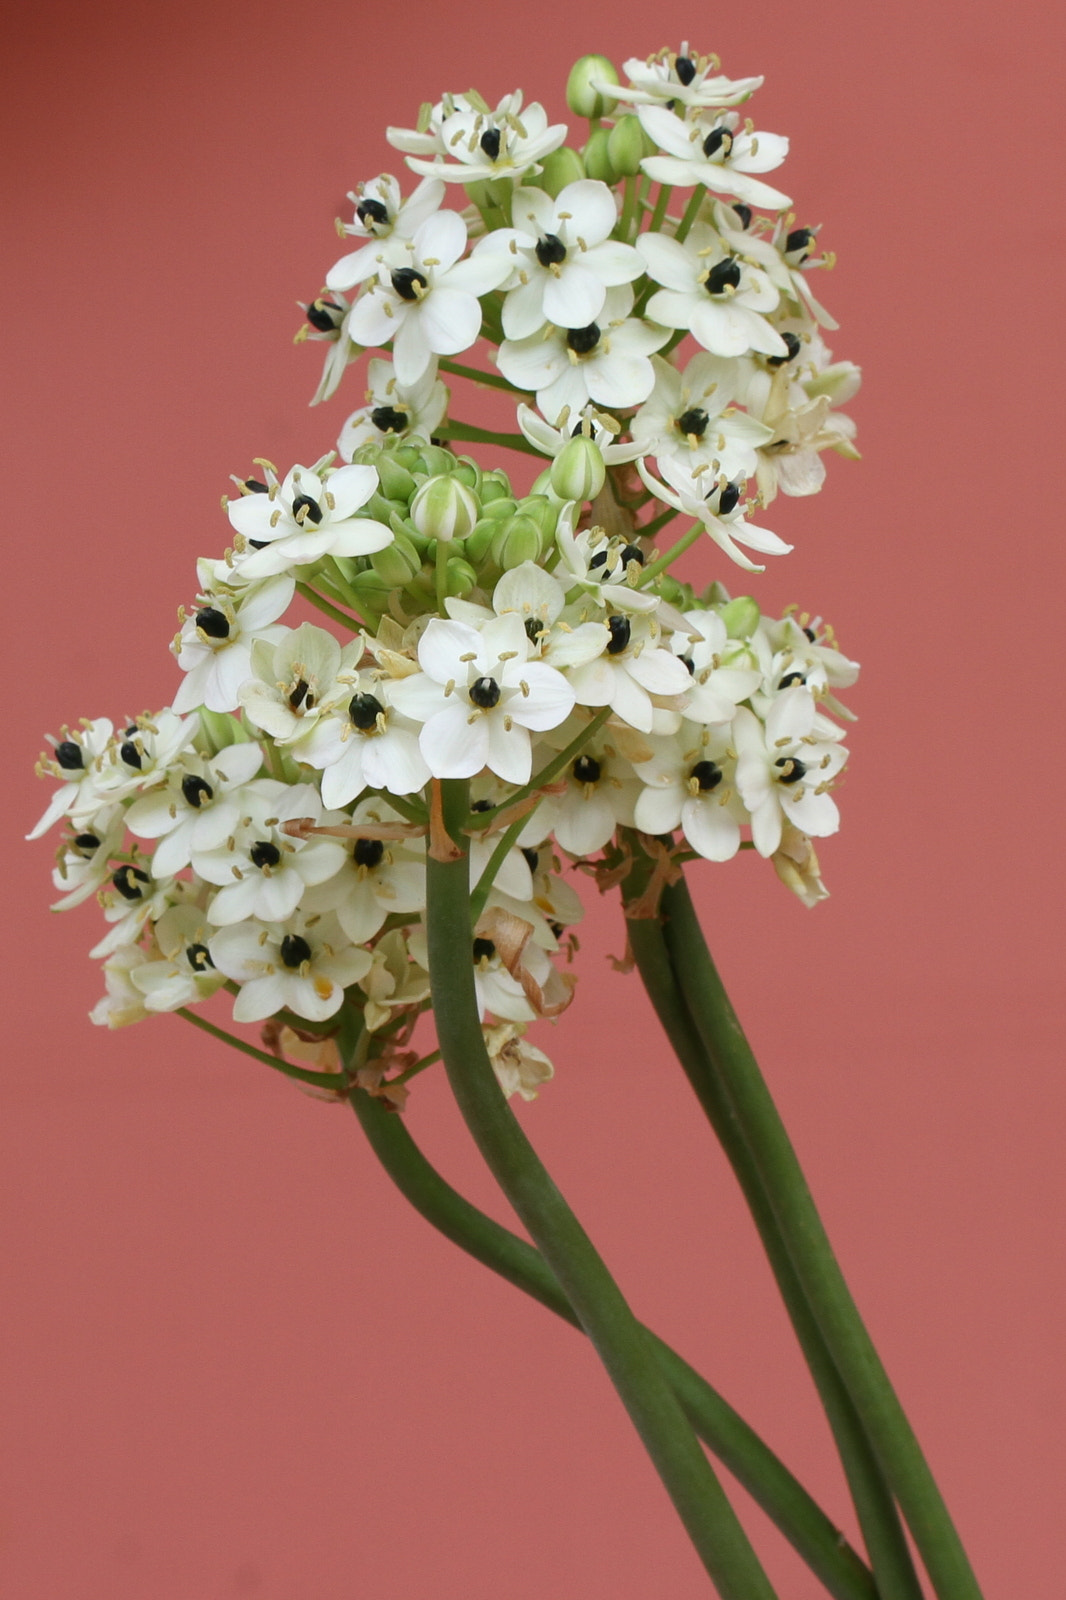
pixel 583 98
pixel 217 730
pixel 462 578
pixel 741 617
pixel 397 564
pixel 494 486
pixel 396 482
pixel 627 146
pixel 434 461
pixel 445 509
pixel 597 159
pixel 515 541
pixel 563 166
pixel 578 472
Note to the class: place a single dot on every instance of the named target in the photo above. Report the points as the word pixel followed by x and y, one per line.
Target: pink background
pixel 235 1363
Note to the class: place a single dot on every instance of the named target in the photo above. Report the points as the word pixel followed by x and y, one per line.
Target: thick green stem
pixel 876 1511
pixel 692 211
pixel 353 624
pixel 621 1342
pixel 458 370
pixel 686 541
pixel 466 433
pixel 722 1429
pixel 801 1229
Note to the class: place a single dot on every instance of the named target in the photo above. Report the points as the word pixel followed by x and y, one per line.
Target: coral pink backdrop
pixel 235 1364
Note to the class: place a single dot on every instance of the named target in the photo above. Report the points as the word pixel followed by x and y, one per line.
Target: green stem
pixel 692 211
pixel 662 200
pixel 458 370
pixel 480 893
pixel 722 1429
pixel 485 819
pixel 621 1342
pixel 801 1229
pixel 441 575
pixel 686 541
pixel 353 624
pixel 878 1519
pixel 321 1080
pixel 629 209
pixel 649 529
pixel 465 432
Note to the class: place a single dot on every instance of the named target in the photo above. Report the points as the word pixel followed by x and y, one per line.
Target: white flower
pixel 214 646
pixel 690 785
pixel 397 976
pixel 262 871
pixel 123 1003
pixel 718 506
pixel 311 514
pixel 75 758
pixel 600 792
pixel 365 742
pixel 394 410
pixel 183 973
pixel 135 898
pixel 633 673
pixel 479 695
pixel 723 671
pixel 199 808
pixel 428 305
pixel 387 221
pixel 717 296
pixel 690 415
pixel 714 155
pixel 379 876
pixel 602 430
pixel 83 860
pixel 785 770
pixel 292 678
pixel 606 362
pixel 562 257
pixel 520 1067
pixel 304 966
pixel 679 79
pixel 479 143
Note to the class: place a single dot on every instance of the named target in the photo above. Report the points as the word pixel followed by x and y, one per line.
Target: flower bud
pixel 396 482
pixel 494 486
pixel 627 146
pixel 397 564
pixel 468 472
pixel 544 512
pixel 217 730
pixel 563 166
pixel 597 160
pixel 434 461
pixel 578 472
pixel 371 591
pixel 582 98
pixel 445 509
pixel 741 617
pixel 515 541
pixel 462 578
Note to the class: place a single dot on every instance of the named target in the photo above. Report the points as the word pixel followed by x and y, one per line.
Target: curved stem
pixel 722 1429
pixel 804 1236
pixel 466 433
pixel 621 1342
pixel 319 1080
pixel 893 1568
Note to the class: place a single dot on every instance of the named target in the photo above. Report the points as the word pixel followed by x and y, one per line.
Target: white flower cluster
pixel 268 832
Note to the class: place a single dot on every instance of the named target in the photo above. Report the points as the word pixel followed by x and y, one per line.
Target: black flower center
pixel 367 852
pixel 407 281
pixel 743 212
pixel 532 859
pixel 550 250
pixel 195 790
pixel 799 243
pixel 320 315
pixel 85 843
pixel 253 486
pixel 722 276
pixel 632 552
pixel 130 754
pixel 685 69
pixel 304 509
pixel 718 139
pixel 485 692
pixel 490 143
pixel 199 957
pixel 792 769
pixel 586 769
pixel 794 348
pixel 707 774
pixel 264 854
pixel 693 422
pixel 212 622
pixel 372 211
pixel 620 631
pixel 534 628
pixel 790 679
pixel 299 695
pixel 728 498
pixel 130 881
pixel 582 340
pixel 387 419
pixel 364 711
pixel 295 950
pixel 484 949
pixel 69 755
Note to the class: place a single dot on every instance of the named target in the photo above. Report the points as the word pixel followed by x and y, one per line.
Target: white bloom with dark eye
pixel 723 670
pixel 397 976
pixel 689 784
pixel 310 514
pixel 633 674
pixel 427 305
pixel 303 965
pixel 714 155
pixel 717 504
pixel 605 362
pixel 520 1067
pixel 199 807
pixel 601 791
pixel 387 222
pixel 394 410
pixel 679 79
pixel 782 256
pixel 796 400
pixel 139 755
pixel 74 757
pixel 364 742
pixel 261 869
pixel 562 257
pixel 134 898
pixel 467 141
pixel 83 860
pixel 182 972
pixel 690 415
pixel 327 322
pixel 538 600
pixel 292 678
pixel 717 296
pixel 214 646
pixel 785 769
pixel 123 1003
pixel 802 655
pixel 601 429
pixel 479 695
pixel 380 876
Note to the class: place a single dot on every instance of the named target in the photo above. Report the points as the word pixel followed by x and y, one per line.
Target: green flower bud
pixel 578 472
pixel 476 544
pixel 495 486
pixel 396 482
pixel 563 166
pixel 545 513
pixel 741 617
pixel 444 508
pixel 397 564
pixel 434 461
pixel 516 541
pixel 217 730
pixel 597 159
pixel 372 591
pixel 627 146
pixel 468 472
pixel 581 97
pixel 462 578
